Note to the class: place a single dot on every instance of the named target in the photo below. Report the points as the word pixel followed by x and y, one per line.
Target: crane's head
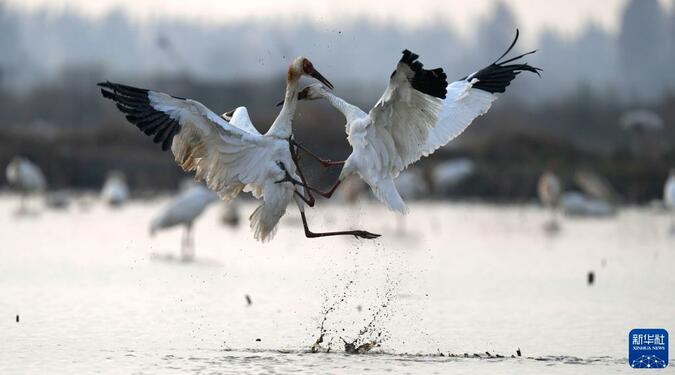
pixel 227 116
pixel 302 66
pixel 312 92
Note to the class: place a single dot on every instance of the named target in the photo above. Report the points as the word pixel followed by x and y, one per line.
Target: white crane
pixel 230 156
pixel 418 113
pixel 184 210
pixel 26 177
pixel 115 191
pixel 641 121
pixel 669 197
pixel 549 189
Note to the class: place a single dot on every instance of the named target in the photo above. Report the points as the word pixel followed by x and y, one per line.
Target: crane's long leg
pixel 294 146
pixel 191 237
pixel 355 233
pixel 22 204
pixel 307 194
pixel 303 183
pixel 330 192
pixel 187 250
pixel 324 162
pixel 183 244
pixel 310 234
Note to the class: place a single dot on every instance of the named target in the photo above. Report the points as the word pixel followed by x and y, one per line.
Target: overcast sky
pixel 565 16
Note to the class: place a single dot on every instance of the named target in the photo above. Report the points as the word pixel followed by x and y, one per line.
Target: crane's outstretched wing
pixel 227 157
pixel 405 113
pixel 472 96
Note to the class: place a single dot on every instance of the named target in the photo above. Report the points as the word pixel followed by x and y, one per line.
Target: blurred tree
pixel 9 43
pixel 643 47
pixel 495 32
pixel 670 58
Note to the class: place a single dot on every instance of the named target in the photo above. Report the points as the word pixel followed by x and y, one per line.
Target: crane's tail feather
pixel 498 75
pixel 263 225
pixel 385 191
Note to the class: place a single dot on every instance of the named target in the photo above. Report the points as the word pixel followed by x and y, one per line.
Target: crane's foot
pixel 287 176
pixel 364 234
pixel 356 233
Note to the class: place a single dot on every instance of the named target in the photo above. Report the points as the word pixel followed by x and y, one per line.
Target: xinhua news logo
pixel 648 348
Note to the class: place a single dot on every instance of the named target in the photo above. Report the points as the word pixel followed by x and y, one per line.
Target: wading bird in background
pixel 184 210
pixel 549 189
pixel 669 198
pixel 596 186
pixel 641 121
pixel 26 177
pixel 115 191
pixel 230 214
pixel 229 156
pixel 418 113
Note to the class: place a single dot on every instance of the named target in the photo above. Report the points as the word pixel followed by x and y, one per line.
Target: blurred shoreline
pixel 510 146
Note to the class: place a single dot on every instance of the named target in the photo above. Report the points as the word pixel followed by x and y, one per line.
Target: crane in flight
pixel 418 113
pixel 230 157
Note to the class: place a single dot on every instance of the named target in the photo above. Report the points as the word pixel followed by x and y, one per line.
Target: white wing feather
pixel 401 121
pixel 460 107
pixel 228 158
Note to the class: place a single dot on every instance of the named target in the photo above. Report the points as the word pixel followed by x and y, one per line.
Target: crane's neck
pixel 350 111
pixel 282 127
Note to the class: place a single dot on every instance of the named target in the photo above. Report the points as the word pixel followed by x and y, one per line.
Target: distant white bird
pixel 184 210
pixel 411 119
pixel 549 189
pixel 26 177
pixel 229 156
pixel 115 191
pixel 641 121
pixel 578 204
pixel 595 186
pixel 669 196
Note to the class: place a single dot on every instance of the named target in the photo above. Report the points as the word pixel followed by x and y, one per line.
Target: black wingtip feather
pixel 135 104
pixel 498 75
pixel 431 82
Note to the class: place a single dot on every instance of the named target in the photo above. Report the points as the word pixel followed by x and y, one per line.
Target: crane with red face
pixel 230 157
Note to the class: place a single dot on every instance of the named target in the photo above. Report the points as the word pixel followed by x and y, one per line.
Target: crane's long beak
pixel 319 77
pixel 315 73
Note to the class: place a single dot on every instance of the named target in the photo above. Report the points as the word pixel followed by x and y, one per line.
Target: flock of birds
pixel 597 198
pixel 418 113
pixel 28 179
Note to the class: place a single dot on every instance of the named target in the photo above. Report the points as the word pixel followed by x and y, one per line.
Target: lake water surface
pixel 96 294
